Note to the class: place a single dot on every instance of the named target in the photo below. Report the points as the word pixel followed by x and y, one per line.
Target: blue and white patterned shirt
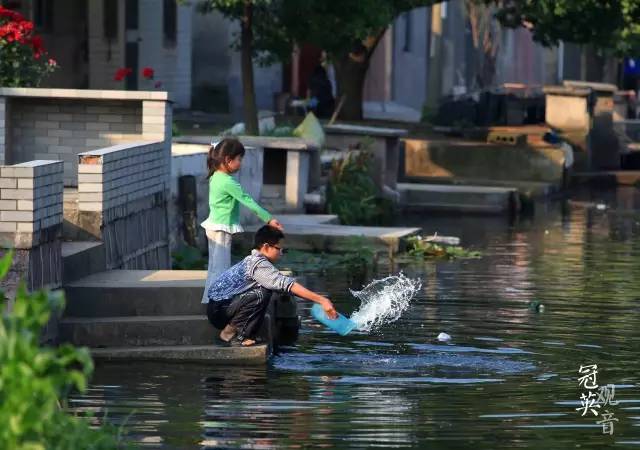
pixel 254 270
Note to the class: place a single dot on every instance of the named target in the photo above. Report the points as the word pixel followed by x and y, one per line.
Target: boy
pixel 238 298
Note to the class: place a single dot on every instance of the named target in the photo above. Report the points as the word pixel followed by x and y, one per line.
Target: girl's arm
pixel 235 190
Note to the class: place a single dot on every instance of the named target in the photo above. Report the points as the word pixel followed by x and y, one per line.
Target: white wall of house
pixel 216 64
pixel 105 55
pixel 171 62
pixel 410 58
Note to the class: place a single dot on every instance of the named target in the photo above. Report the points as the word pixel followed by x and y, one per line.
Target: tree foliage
pixel 605 24
pixel 348 31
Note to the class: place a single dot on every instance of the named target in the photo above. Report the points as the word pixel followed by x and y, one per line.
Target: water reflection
pixel 507 379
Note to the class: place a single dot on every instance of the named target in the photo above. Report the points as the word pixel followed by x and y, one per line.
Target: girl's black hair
pixel 228 148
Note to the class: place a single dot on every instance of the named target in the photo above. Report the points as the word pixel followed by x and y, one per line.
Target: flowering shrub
pixel 23 61
pixel 122 73
pixel 147 73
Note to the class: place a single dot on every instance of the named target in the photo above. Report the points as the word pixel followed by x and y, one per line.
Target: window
pixel 407 31
pixel 132 11
pixel 43 15
pixel 170 22
pixel 110 19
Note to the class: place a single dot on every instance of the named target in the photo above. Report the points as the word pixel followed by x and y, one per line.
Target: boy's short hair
pixel 267 235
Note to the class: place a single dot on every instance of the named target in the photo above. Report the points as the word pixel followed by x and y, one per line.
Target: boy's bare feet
pixel 248 342
pixel 227 333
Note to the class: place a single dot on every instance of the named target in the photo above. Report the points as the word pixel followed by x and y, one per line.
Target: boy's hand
pixel 275 224
pixel 329 310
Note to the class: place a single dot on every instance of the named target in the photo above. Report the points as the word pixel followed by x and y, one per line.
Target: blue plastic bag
pixel 341 325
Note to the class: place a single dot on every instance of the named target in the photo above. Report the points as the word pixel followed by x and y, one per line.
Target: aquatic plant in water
pixel 383 301
pixel 422 248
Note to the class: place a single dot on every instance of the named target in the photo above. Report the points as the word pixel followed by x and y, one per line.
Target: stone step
pixel 93 301
pixel 140 331
pixel 121 293
pixel 136 293
pixel 466 199
pixel 327 237
pixel 81 259
pixel 197 353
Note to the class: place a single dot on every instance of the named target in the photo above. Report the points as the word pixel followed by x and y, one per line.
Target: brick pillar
pixel 4 128
pixel 31 222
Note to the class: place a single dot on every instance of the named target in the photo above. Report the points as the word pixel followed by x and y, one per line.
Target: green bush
pixel 35 381
pixel 188 258
pixel 352 193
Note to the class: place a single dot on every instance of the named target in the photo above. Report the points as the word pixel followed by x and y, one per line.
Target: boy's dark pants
pixel 245 312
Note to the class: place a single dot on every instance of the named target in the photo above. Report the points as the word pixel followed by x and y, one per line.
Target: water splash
pixel 383 301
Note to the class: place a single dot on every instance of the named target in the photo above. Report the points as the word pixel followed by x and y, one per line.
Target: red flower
pixel 122 73
pixel 11 15
pixel 148 73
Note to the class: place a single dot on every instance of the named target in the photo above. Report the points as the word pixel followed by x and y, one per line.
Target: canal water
pixel 553 294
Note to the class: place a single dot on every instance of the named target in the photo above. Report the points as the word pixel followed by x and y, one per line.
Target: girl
pixel 225 195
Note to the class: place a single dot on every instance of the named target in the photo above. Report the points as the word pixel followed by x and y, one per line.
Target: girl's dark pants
pixel 245 312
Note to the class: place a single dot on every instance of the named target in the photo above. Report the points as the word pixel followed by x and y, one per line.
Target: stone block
pixel 111 118
pixel 8 205
pixel 46 125
pixel 90 187
pixel 59 117
pixel 47 140
pixel 8 183
pixel 23 205
pixel 60 133
pixel 26 183
pixel 16 216
pixel 8 227
pixel 16 194
pixel 27 227
pixel 97 126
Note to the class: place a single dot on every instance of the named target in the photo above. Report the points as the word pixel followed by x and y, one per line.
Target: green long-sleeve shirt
pixel 225 196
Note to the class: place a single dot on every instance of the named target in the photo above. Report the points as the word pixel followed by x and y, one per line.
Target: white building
pixel 92 39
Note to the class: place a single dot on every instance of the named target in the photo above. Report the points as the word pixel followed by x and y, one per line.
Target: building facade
pixel 91 40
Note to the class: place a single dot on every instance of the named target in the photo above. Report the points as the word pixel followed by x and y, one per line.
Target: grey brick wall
pixel 123 192
pixel 61 128
pixel 30 198
pixel 31 222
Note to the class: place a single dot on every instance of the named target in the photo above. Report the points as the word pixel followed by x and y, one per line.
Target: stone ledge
pixel 267 142
pixel 85 94
pixel 118 148
pixel 365 131
pixel 567 91
pixel 203 353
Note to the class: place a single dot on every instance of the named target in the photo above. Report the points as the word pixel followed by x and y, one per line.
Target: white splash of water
pixel 383 301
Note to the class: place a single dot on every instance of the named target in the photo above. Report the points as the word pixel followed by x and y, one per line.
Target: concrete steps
pixel 81 259
pixel 194 353
pixel 456 198
pixel 157 315
pixel 139 331
pixel 136 293
pixel 337 238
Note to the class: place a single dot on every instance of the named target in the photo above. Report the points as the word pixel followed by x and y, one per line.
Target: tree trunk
pixel 350 76
pixel 351 71
pixel 248 88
